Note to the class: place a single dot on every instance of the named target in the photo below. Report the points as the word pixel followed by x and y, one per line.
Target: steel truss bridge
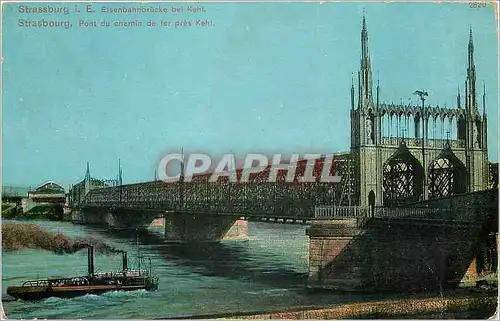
pixel 258 198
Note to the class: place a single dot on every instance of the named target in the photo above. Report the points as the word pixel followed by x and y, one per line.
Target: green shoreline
pixel 46 212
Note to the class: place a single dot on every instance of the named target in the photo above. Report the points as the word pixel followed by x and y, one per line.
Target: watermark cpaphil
pixel 309 168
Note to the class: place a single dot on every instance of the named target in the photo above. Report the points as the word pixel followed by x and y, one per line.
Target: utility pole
pixel 422 94
pixel 120 181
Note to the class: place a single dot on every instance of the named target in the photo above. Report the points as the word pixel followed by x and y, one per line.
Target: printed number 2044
pixel 477 4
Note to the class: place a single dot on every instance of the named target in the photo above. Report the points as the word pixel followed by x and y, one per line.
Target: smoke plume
pixel 18 236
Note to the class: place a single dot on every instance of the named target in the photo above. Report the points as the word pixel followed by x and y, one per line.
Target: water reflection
pixel 267 272
pixel 229 259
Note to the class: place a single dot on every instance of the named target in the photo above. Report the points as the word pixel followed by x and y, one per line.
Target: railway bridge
pixel 399 154
pixel 415 192
pixel 204 210
pixel 415 246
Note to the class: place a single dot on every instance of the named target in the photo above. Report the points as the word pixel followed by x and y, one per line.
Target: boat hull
pixel 43 292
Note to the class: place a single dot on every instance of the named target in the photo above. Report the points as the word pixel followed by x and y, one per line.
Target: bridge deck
pixel 259 200
pixel 280 200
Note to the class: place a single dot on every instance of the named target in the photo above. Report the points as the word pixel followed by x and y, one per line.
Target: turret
pixel 378 91
pixel 484 99
pixel 87 172
pixel 87 179
pixel 471 79
pixel 120 175
pixel 366 71
pixel 352 93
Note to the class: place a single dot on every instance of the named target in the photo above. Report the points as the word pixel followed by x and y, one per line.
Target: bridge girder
pixel 257 197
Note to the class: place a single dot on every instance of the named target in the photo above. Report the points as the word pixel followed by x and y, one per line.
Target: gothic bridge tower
pixel 405 153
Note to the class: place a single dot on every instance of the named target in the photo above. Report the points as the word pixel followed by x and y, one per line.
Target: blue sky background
pixel 268 77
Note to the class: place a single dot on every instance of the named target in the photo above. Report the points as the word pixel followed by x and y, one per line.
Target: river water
pixel 267 272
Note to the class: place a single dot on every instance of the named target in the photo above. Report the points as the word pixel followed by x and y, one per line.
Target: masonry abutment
pixel 186 227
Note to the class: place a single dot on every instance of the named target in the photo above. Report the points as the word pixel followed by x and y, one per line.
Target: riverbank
pixel 10 210
pixel 51 212
pixel 469 303
pixel 263 276
pixel 477 307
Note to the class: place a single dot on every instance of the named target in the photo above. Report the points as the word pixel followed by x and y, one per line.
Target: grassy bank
pixel 10 210
pixel 18 236
pixel 52 212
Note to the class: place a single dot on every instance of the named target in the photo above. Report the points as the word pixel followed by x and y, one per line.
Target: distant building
pixel 48 192
pixel 79 190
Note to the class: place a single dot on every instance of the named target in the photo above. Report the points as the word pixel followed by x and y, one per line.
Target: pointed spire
pixel 466 95
pixel 352 92
pixel 87 173
pixel 378 88
pixel 459 100
pixel 359 90
pixel 471 77
pixel 364 21
pixel 182 164
pixel 120 175
pixel 366 73
pixel 364 44
pixel 484 99
pixel 471 49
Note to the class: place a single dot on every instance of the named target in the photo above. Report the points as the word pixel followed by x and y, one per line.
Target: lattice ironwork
pixel 402 178
pixel 447 176
pixel 493 175
pixel 258 197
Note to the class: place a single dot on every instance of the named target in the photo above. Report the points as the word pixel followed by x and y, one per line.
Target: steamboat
pixel 92 283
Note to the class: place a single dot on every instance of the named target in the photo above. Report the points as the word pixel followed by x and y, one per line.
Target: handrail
pixel 342 212
pixel 417 213
pixel 329 211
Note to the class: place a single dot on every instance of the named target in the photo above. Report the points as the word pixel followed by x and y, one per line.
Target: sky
pixel 264 78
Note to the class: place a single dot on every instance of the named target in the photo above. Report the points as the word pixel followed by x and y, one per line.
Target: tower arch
pixel 401 173
pixel 447 175
pixel 402 178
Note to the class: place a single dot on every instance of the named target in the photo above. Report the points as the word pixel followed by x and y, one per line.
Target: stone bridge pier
pixel 427 247
pixel 114 218
pixel 388 255
pixel 187 227
pixel 179 227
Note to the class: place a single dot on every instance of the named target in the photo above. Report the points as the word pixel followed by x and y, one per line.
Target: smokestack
pixel 90 260
pixel 125 261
